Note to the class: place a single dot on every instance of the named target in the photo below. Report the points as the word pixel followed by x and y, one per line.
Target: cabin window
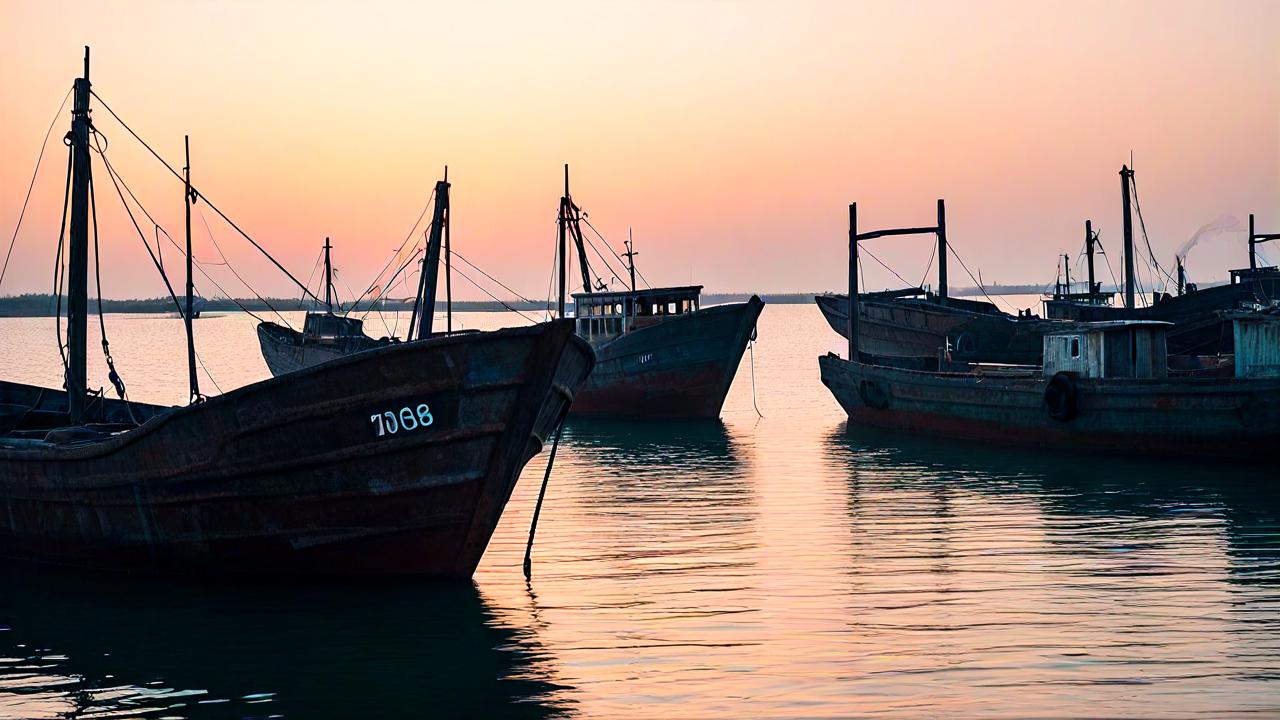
pixel 1075 346
pixel 671 308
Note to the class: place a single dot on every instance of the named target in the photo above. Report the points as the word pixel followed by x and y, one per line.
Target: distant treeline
pixel 44 304
pixel 41 305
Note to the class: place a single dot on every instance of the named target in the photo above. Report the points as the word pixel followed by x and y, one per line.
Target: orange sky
pixel 730 135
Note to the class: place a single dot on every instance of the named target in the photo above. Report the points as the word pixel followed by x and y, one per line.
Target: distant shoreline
pixel 44 305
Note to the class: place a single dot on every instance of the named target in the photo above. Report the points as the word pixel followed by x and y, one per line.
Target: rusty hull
pixel 680 368
pixel 289 476
pixel 1199 418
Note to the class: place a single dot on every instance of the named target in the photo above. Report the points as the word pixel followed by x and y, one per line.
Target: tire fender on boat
pixel 872 394
pixel 1061 396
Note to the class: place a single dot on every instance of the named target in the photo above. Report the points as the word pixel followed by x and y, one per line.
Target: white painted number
pixel 406 418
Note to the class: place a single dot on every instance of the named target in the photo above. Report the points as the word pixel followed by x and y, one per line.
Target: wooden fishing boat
pixel 914 323
pixel 660 355
pixel 1102 387
pixel 395 461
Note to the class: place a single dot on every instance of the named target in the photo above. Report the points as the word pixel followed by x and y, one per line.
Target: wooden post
pixel 1253 258
pixel 328 277
pixel 942 252
pixel 193 379
pixel 631 259
pixel 1066 272
pixel 1088 250
pixel 78 252
pixel 851 325
pixel 1126 176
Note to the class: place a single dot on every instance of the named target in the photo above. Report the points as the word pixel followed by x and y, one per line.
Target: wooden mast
pixel 851 325
pixel 189 199
pixel 431 261
pixel 630 255
pixel 78 251
pixel 1088 251
pixel 942 251
pixel 1126 177
pixel 328 277
pixel 562 220
pixel 448 269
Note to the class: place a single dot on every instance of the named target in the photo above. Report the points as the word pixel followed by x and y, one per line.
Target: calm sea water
pixel 759 567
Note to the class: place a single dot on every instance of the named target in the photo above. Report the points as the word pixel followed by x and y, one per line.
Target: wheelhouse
pixel 327 326
pixel 1115 349
pixel 605 315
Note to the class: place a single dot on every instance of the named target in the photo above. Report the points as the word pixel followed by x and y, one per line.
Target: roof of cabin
pixel 1077 328
pixel 606 297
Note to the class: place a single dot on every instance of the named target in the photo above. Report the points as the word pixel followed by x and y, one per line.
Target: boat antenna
pixel 78 262
pixel 328 277
pixel 630 255
pixel 189 199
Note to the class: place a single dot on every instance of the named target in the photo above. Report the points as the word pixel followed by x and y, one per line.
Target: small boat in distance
pixel 659 354
pixel 395 461
pixel 324 337
pixel 1103 387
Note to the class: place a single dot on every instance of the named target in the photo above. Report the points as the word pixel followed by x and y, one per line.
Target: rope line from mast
pixel 34 173
pixel 207 201
pixel 59 270
pixel 397 253
pixel 495 297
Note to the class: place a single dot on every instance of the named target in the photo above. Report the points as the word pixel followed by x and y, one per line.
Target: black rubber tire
pixel 1061 397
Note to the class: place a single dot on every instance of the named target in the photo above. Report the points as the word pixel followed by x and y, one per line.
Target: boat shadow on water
pixel 79 645
pixel 1246 500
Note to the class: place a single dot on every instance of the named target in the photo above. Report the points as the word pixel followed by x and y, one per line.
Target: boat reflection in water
pixel 176 649
pixel 1057 580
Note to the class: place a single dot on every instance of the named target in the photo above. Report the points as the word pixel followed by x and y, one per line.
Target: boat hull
pixel 681 368
pixel 1199 418
pixel 901 328
pixel 290 476
pixel 286 350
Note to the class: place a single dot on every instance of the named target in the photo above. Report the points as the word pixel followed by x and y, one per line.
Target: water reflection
pixel 78 644
pixel 1053 576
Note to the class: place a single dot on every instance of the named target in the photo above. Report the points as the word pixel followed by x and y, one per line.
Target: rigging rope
pixel 1143 224
pixel 249 287
pixel 58 268
pixel 22 213
pixel 495 297
pixel 606 244
pixel 196 193
pixel 975 280
pixel 495 280
pixel 886 267
pixel 397 253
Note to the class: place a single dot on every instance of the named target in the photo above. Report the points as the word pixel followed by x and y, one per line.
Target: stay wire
pixel 58 266
pixel 494 297
pixel 975 280
pixel 500 284
pixel 208 202
pixel 39 158
pixel 249 287
pixel 398 251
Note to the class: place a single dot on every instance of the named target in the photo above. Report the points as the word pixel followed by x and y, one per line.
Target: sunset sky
pixel 730 135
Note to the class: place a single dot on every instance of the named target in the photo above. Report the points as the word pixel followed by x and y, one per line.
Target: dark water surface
pixel 775 567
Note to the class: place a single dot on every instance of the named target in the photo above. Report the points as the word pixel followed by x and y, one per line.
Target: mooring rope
pixel 542 493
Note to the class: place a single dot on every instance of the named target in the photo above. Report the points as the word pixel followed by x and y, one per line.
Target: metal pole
pixel 431 261
pixel 1066 271
pixel 631 259
pixel 942 252
pixel 189 198
pixel 851 326
pixel 78 261
pixel 1126 176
